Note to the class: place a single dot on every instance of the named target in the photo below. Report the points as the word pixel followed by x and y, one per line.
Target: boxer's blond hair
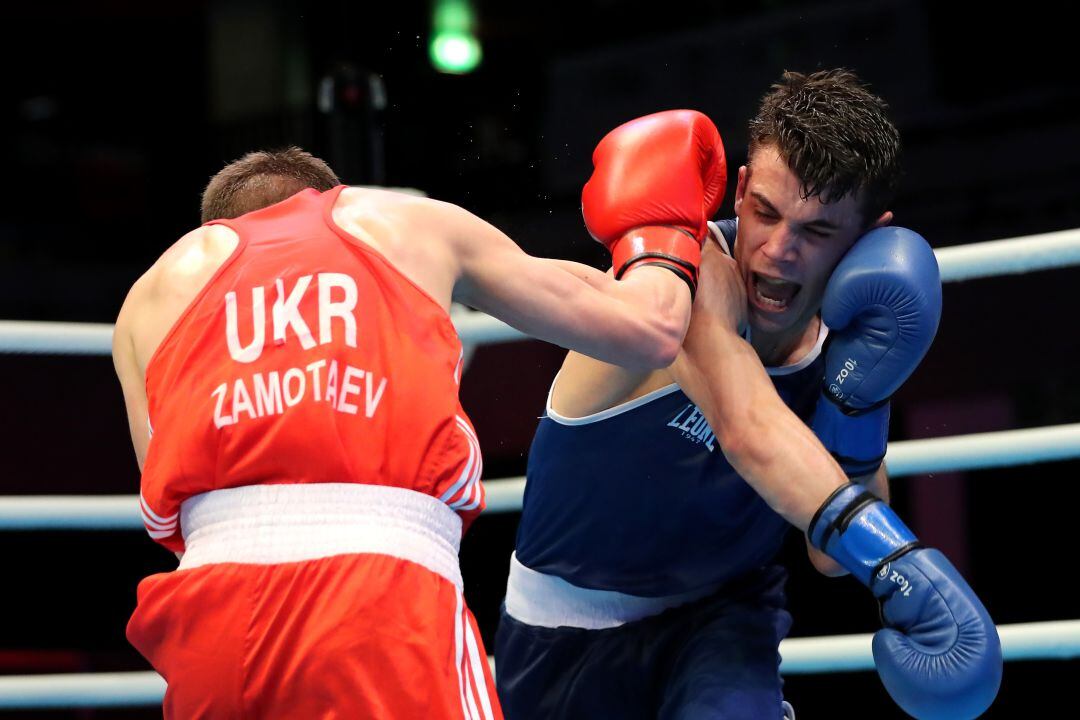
pixel 263 178
pixel 835 135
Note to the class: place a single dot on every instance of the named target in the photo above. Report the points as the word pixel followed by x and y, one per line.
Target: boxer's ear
pixel 885 219
pixel 740 186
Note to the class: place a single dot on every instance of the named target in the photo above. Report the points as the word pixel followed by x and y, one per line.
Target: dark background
pixel 115 115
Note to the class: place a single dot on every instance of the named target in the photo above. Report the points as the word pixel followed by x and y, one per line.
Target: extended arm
pixel 769 446
pixel 656 181
pixel 638 321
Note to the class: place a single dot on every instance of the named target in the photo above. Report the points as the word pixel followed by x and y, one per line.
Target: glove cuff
pixel 855 528
pixel 857 439
pixel 665 246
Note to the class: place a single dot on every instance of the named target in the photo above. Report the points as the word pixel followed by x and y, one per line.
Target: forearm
pixel 778 455
pixel 637 322
pixel 646 290
pixel 766 443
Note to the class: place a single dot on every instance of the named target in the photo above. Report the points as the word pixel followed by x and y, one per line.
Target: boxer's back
pixel 306 356
pixel 391 223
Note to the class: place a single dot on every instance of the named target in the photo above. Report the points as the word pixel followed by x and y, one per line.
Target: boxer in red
pixel 291 378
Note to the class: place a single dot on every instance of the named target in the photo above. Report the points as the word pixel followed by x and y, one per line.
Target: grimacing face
pixel 788 246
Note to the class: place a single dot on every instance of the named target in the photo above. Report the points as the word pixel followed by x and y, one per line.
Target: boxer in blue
pixel 643 583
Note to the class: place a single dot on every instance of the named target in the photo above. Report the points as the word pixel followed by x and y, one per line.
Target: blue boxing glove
pixel 939 655
pixel 882 306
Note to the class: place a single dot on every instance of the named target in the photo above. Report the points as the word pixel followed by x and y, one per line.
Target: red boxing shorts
pixel 315 601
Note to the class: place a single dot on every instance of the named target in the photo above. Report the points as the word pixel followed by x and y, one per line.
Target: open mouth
pixel 773 294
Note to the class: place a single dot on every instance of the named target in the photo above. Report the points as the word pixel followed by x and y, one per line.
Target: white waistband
pixel 270 524
pixel 548 601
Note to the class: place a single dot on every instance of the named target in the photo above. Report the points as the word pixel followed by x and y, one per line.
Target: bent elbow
pixel 665 350
pixel 670 332
pixel 654 347
pixel 652 355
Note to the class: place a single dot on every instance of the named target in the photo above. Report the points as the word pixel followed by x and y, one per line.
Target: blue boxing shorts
pixel 713 657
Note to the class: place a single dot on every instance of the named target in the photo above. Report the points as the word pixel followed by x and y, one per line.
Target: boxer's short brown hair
pixel 262 178
pixel 835 135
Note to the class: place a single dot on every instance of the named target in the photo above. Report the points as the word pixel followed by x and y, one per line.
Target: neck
pixel 788 346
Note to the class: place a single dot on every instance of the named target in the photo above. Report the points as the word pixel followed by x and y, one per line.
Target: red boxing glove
pixel 656 181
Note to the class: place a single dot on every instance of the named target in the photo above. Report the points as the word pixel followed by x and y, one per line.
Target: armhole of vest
pixel 437 464
pixel 596 417
pixel 718 235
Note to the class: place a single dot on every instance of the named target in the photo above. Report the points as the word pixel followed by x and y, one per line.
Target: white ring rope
pixel 841 653
pixel 81 690
pixel 844 653
pixel 984 450
pixel 56 338
pixel 962 262
pixel 1010 257
pixel 908 457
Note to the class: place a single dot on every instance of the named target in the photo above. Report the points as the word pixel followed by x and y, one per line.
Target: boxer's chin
pixel 770 321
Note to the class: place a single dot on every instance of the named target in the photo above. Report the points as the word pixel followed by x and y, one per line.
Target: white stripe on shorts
pixel 477 669
pixel 459 652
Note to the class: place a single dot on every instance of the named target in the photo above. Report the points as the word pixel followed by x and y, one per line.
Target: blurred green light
pixel 455 52
pixel 453 16
pixel 453 47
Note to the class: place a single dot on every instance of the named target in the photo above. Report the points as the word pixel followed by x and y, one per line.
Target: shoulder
pixel 186 265
pixel 721 289
pixel 436 216
pixel 396 205
pixel 403 215
pixel 717 262
pixel 191 260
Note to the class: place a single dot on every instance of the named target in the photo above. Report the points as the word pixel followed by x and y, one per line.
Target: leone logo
pixel 884 572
